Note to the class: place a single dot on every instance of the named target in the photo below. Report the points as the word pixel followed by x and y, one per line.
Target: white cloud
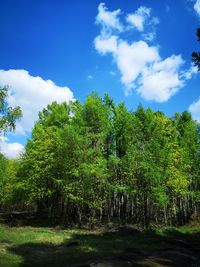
pixel 131 59
pixel 161 81
pixel 169 64
pixel 141 66
pixel 150 36
pixel 194 108
pixel 106 45
pixel 187 74
pixel 139 17
pixel 197 7
pixel 108 20
pixel 10 150
pixel 32 94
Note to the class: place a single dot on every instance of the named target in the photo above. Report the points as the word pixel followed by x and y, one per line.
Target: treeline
pixel 97 162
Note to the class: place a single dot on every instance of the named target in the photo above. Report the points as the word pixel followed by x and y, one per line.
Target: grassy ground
pixel 52 247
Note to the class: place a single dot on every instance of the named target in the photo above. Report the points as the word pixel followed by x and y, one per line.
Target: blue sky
pixel 137 51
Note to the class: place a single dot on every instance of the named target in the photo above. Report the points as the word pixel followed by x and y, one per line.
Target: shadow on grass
pixel 147 248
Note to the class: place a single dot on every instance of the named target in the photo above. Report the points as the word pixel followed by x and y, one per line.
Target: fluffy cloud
pixel 132 58
pixel 197 7
pixel 161 81
pixel 109 20
pixel 139 17
pixel 141 67
pixel 195 110
pixel 140 64
pixel 32 94
pixel 187 74
pixel 106 45
pixel 150 36
pixel 10 150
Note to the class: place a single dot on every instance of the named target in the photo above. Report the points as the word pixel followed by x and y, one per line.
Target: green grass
pixel 42 247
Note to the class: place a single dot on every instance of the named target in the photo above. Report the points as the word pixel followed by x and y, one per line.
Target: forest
pixel 100 133
pixel 97 162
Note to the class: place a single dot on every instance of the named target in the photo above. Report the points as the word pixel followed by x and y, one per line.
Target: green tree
pixel 8 115
pixel 41 166
pixel 8 118
pixel 98 162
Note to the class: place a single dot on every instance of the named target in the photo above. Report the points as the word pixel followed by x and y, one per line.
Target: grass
pixel 52 247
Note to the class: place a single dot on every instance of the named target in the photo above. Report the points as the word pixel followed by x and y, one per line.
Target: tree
pixel 42 166
pixel 10 187
pixel 8 115
pixel 196 55
pixel 3 176
pixel 98 162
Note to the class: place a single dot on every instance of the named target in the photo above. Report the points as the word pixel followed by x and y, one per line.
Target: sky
pixel 137 51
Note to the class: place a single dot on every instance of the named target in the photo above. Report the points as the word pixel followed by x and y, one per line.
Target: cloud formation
pixel 109 20
pixel 132 58
pixel 197 7
pixel 140 64
pixel 139 18
pixel 194 108
pixel 32 94
pixel 10 150
pixel 106 45
pixel 161 81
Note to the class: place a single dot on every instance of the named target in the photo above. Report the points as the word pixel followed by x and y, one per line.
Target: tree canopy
pixel 8 168
pixel 98 162
pixel 8 114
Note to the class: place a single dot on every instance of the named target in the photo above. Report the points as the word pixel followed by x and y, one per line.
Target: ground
pixel 124 246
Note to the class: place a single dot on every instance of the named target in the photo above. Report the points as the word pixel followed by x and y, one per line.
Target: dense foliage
pixel 98 162
pixel 8 168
